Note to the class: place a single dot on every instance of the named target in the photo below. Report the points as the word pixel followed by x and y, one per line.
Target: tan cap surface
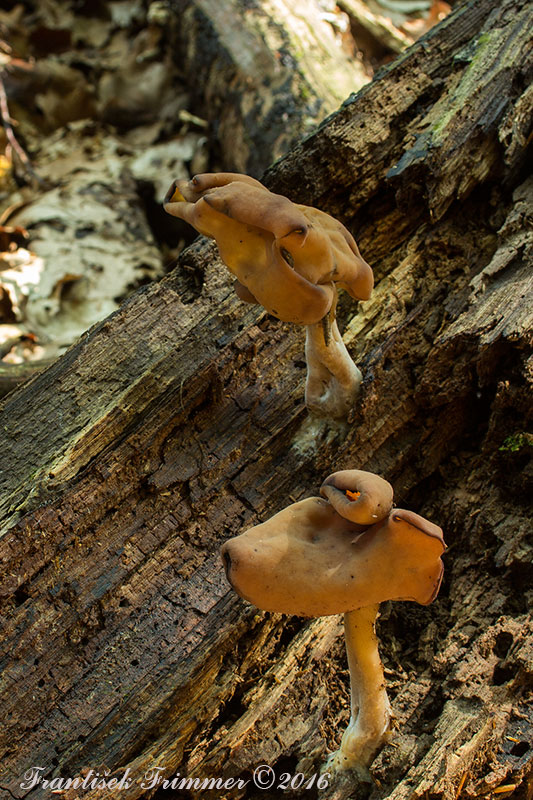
pixel 287 256
pixel 310 561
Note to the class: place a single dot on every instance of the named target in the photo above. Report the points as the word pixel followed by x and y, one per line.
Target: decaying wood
pixel 252 66
pixel 179 420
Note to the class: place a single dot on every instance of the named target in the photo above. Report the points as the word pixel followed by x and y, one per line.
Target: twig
pixel 461 784
pixel 10 134
pixel 4 216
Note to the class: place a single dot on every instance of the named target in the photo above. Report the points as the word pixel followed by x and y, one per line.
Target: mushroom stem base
pixel 332 378
pixel 370 708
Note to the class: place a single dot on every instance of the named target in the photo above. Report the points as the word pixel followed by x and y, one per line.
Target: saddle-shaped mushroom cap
pixel 323 556
pixel 311 561
pixel 267 241
pixel 289 258
pixel 249 250
pixel 193 189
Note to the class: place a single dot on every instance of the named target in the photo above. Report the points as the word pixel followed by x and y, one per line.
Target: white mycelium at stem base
pixel 333 380
pixel 370 708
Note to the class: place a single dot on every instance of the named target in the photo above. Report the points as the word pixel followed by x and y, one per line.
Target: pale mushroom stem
pixel 332 378
pixel 370 708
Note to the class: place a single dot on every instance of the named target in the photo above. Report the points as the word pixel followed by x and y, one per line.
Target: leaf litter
pixel 98 114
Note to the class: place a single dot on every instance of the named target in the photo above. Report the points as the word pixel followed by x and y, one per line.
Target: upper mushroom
pixel 285 256
pixel 344 552
pixel 289 258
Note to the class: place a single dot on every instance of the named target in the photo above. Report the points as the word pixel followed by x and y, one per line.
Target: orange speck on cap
pixel 352 495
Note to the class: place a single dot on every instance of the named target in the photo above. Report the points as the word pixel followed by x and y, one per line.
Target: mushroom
pixel 344 552
pixel 289 258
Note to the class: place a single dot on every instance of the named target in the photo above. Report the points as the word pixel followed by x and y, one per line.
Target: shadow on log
pixel 179 421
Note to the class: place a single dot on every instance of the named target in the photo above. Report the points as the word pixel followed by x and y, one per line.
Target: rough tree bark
pixel 179 420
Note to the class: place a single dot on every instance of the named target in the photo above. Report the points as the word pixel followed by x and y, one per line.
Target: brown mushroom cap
pixel 308 560
pixel 250 252
pixel 330 250
pixel 287 256
pixel 192 190
pixel 374 501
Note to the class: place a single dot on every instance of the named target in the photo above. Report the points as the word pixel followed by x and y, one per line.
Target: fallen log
pixel 179 421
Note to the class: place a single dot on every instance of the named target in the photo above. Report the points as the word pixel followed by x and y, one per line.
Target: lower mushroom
pixel 344 552
pixel 370 717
